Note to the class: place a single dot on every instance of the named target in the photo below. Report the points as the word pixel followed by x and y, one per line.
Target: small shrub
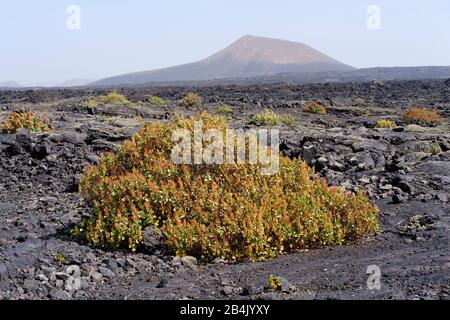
pixel 25 119
pixel 156 101
pixel 60 258
pixel 113 98
pixel 287 120
pixel 422 115
pixel 191 100
pixel 224 109
pixel 359 100
pixel 229 211
pixel 226 112
pixel 314 107
pixel 106 118
pixel 274 283
pixel 270 118
pixel 91 103
pixel 384 123
pixel 266 118
pixel 435 149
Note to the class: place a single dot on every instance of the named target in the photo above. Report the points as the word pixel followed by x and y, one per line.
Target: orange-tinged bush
pixel 229 211
pixel 314 107
pixel 422 115
pixel 27 120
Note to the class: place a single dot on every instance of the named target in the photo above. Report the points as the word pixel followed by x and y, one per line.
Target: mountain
pixel 75 83
pixel 9 84
pixel 357 75
pixel 250 56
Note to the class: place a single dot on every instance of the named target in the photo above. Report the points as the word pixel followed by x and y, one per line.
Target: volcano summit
pixel 250 56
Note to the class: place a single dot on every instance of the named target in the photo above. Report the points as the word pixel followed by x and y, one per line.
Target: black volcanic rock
pixel 40 205
pixel 40 151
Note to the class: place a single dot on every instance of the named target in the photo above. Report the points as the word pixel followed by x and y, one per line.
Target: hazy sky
pixel 125 36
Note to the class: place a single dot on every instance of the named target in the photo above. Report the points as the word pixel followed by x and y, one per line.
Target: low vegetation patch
pixel 422 116
pixel 314 107
pixel 229 211
pixel 287 120
pixel 434 149
pixel 384 123
pixel 274 283
pixel 156 101
pixel 191 99
pixel 27 120
pixel 266 118
pixel 60 258
pixel 359 100
pixel 89 103
pixel 225 110
pixel 270 118
pixel 113 98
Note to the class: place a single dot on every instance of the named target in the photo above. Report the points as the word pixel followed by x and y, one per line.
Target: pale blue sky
pixel 124 36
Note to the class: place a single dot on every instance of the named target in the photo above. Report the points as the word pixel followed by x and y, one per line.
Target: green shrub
pixel 91 103
pixel 287 120
pixel 266 118
pixel 191 100
pixel 314 107
pixel 435 149
pixel 274 283
pixel 113 98
pixel 422 115
pixel 229 211
pixel 27 120
pixel 60 258
pixel 359 100
pixel 156 101
pixel 225 110
pixel 384 123
pixel 270 118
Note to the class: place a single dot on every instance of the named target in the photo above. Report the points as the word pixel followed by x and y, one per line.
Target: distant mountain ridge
pixel 250 56
pixel 361 75
pixel 358 75
pixel 75 83
pixel 10 84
